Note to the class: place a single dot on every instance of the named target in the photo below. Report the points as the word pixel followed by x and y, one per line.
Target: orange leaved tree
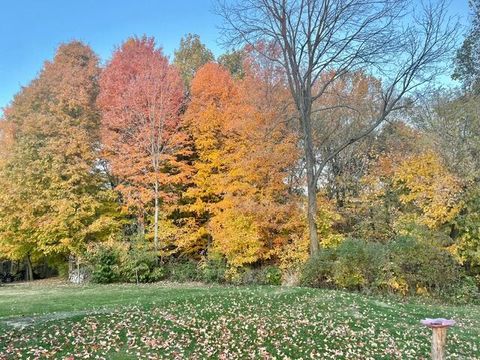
pixel 244 152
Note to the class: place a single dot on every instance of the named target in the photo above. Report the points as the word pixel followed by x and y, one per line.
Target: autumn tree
pixel 341 113
pixel 53 199
pixel 190 56
pixel 240 193
pixel 319 37
pixel 140 98
pixel 451 121
pixel 212 92
pixel 407 188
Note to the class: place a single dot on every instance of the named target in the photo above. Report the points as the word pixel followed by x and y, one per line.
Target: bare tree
pixel 323 40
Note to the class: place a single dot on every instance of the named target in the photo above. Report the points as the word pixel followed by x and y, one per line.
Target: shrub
pixel 359 265
pixel 137 262
pixel 157 274
pixel 318 271
pixel 213 270
pixel 404 266
pixel 270 275
pixel 424 268
pixel 183 271
pixel 104 260
pixel 465 291
pixel 243 275
pixel 63 269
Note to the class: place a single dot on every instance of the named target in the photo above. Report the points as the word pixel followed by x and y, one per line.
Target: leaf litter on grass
pixel 243 323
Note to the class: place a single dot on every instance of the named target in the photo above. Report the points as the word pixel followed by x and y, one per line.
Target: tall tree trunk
pixel 29 270
pixel 311 182
pixel 155 225
pixel 312 209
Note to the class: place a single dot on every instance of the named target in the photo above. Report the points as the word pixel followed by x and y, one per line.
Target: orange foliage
pixel 141 95
pixel 244 152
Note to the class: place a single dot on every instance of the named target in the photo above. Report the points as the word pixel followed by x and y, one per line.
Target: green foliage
pixel 137 262
pixel 403 266
pixel 468 238
pixel 271 275
pixel 190 56
pixel 157 274
pixel 183 271
pixel 62 269
pixel 266 275
pixel 359 264
pixel 465 291
pixel 318 271
pixel 233 62
pixel 353 264
pixel 423 268
pixel 213 270
pixel 104 260
pixel 132 262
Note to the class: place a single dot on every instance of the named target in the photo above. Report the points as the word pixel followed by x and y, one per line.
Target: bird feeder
pixel 439 335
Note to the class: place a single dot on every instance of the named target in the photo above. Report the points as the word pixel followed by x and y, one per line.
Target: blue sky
pixel 30 30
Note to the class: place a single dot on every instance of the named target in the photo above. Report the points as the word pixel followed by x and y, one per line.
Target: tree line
pixel 321 128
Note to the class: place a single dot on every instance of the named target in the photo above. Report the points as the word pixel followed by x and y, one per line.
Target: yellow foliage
pixel 398 285
pixel 240 199
pixel 237 237
pixel 403 191
pixel 427 184
pixel 295 252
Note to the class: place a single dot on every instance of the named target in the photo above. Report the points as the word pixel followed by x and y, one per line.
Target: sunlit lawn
pixel 168 321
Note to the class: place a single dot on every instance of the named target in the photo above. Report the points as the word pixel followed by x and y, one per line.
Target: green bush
pixel 403 266
pixel 318 271
pixel 138 262
pixel 213 270
pixel 104 263
pixel 62 269
pixel 359 265
pixel 353 264
pixel 248 276
pixel 270 275
pixel 136 272
pixel 183 271
pixel 424 268
pixel 465 291
pixel 158 274
pixel 267 275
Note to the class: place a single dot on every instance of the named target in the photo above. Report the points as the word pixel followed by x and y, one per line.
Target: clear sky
pixel 31 30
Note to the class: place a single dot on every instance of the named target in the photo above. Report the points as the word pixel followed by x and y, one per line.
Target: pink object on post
pixel 436 323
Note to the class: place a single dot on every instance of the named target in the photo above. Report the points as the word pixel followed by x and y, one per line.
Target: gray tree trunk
pixel 29 270
pixel 155 236
pixel 312 206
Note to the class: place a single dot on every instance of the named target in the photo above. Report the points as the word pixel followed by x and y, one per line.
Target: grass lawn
pixel 174 321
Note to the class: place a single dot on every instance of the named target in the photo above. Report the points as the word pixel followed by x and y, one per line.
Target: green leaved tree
pixel 191 55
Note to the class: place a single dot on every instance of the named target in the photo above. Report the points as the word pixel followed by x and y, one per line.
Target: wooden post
pixel 439 336
pixel 439 339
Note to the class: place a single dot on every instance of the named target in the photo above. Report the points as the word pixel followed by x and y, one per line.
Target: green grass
pixel 197 322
